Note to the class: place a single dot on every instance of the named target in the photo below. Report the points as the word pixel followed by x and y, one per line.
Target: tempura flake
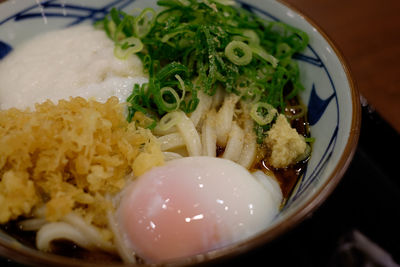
pixel 68 157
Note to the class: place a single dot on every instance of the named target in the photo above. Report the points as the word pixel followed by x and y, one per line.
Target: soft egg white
pixel 193 205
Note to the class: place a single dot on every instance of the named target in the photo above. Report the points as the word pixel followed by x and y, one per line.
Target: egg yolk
pixel 190 206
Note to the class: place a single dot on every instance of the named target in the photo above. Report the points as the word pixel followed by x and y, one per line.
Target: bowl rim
pixel 33 257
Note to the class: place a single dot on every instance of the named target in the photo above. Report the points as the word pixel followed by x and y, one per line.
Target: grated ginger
pixel 285 143
pixel 68 157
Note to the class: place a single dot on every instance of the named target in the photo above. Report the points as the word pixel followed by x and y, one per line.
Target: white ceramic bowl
pixel 331 97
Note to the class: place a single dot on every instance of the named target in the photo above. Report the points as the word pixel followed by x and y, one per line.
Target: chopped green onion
pixel 258 50
pixel 309 139
pixel 252 94
pixel 283 50
pixel 252 36
pixel 123 29
pixel 182 85
pixel 238 53
pixel 170 99
pixel 170 70
pixel 262 113
pixel 128 47
pixel 171 35
pixel 143 24
pixel 215 43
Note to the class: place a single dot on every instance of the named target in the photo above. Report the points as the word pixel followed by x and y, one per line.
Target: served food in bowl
pixel 153 136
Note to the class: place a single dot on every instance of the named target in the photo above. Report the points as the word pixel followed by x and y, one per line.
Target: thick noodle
pixel 60 230
pixel 209 135
pixel 218 98
pixel 224 119
pixel 249 150
pixel 235 143
pixel 171 141
pixel 90 232
pixel 73 228
pixel 203 107
pixel 189 134
pixel 171 155
pixel 125 252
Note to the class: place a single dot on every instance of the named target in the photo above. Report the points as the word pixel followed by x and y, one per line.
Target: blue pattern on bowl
pixel 4 49
pixel 55 9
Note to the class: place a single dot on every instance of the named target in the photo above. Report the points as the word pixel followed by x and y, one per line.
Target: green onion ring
pixel 167 105
pixel 259 118
pixel 258 50
pixel 252 36
pixel 133 44
pixel 282 50
pixel 143 24
pixel 230 53
pixel 182 84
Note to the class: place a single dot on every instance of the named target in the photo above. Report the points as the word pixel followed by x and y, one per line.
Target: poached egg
pixel 194 205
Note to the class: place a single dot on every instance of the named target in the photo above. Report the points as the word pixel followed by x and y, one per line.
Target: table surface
pixel 367 32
